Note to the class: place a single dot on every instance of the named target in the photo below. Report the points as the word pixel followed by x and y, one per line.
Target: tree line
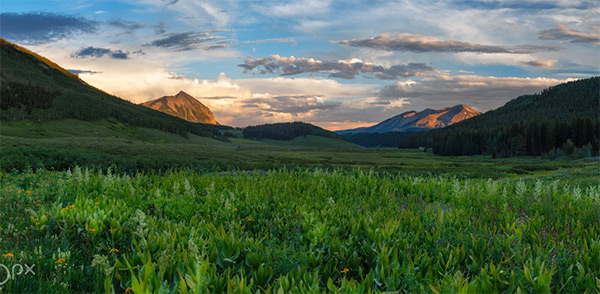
pixel 287 131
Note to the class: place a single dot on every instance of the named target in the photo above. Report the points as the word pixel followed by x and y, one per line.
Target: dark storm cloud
pixel 421 44
pixel 343 69
pixel 193 40
pixel 100 52
pixel 291 104
pixel 563 33
pixel 43 27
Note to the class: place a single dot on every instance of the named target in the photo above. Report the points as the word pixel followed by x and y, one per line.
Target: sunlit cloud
pixel 420 44
pixel 563 33
pixel 343 69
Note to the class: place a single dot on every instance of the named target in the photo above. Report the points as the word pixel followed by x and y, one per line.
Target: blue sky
pixel 337 64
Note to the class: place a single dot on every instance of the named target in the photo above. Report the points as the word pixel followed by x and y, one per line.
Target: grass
pixel 64 144
pixel 297 231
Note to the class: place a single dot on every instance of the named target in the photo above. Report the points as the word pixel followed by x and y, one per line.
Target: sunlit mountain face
pixel 335 64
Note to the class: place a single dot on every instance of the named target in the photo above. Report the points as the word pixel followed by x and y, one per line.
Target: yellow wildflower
pixel 113 250
pixel 92 230
pixel 8 255
pixel 97 203
pixel 61 260
pixel 249 218
pixel 19 192
pixel 344 271
pixel 128 289
pixel 37 223
pixel 235 209
pixel 28 192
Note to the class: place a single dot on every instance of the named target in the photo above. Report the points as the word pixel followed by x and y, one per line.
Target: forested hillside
pixel 287 131
pixel 34 88
pixel 559 120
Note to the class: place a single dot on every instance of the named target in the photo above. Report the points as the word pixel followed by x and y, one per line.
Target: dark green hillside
pixel 287 131
pixel 559 102
pixel 34 88
pixel 561 120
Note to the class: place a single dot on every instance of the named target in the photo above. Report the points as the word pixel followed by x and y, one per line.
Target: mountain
pixel 563 119
pixel 419 121
pixel 37 89
pixel 184 106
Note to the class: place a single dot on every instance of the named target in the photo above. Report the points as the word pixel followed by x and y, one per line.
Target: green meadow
pixel 299 231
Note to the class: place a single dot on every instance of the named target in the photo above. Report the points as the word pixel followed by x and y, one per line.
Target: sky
pixel 336 64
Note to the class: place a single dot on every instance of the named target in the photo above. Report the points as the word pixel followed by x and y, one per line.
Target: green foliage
pixel 297 231
pixel 287 131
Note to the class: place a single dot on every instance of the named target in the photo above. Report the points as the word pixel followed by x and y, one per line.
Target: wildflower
pixel 128 289
pixel 97 203
pixel 8 255
pixel 9 186
pixel 249 218
pixel 344 271
pixel 72 206
pixel 112 230
pixel 19 192
pixel 92 230
pixel 235 209
pixel 37 223
pixel 167 200
pixel 60 260
pixel 114 250
pixel 38 201
pixel 28 192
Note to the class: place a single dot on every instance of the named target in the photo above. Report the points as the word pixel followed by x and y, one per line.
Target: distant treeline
pixel 532 138
pixel 287 131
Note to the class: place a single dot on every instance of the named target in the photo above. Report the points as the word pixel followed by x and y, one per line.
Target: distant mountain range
pixel 412 121
pixel 184 106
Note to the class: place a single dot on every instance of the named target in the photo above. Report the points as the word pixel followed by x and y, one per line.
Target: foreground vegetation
pixel 297 231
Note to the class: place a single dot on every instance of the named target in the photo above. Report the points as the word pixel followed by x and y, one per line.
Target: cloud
pixel 193 40
pixel 128 26
pixel 282 40
pixel 563 33
pixel 100 52
pixel 544 63
pixel 343 69
pixel 421 43
pixel 300 8
pixel 169 2
pixel 482 92
pixel 160 27
pixel 43 27
pixel 84 72
pixel 291 104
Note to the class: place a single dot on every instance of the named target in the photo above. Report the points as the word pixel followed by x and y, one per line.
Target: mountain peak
pixel 427 119
pixel 185 106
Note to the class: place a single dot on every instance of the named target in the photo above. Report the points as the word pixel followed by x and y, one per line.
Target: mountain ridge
pixel 184 106
pixel 412 120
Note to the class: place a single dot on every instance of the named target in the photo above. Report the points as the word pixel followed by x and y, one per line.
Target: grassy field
pixel 297 231
pixel 63 144
pixel 156 212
